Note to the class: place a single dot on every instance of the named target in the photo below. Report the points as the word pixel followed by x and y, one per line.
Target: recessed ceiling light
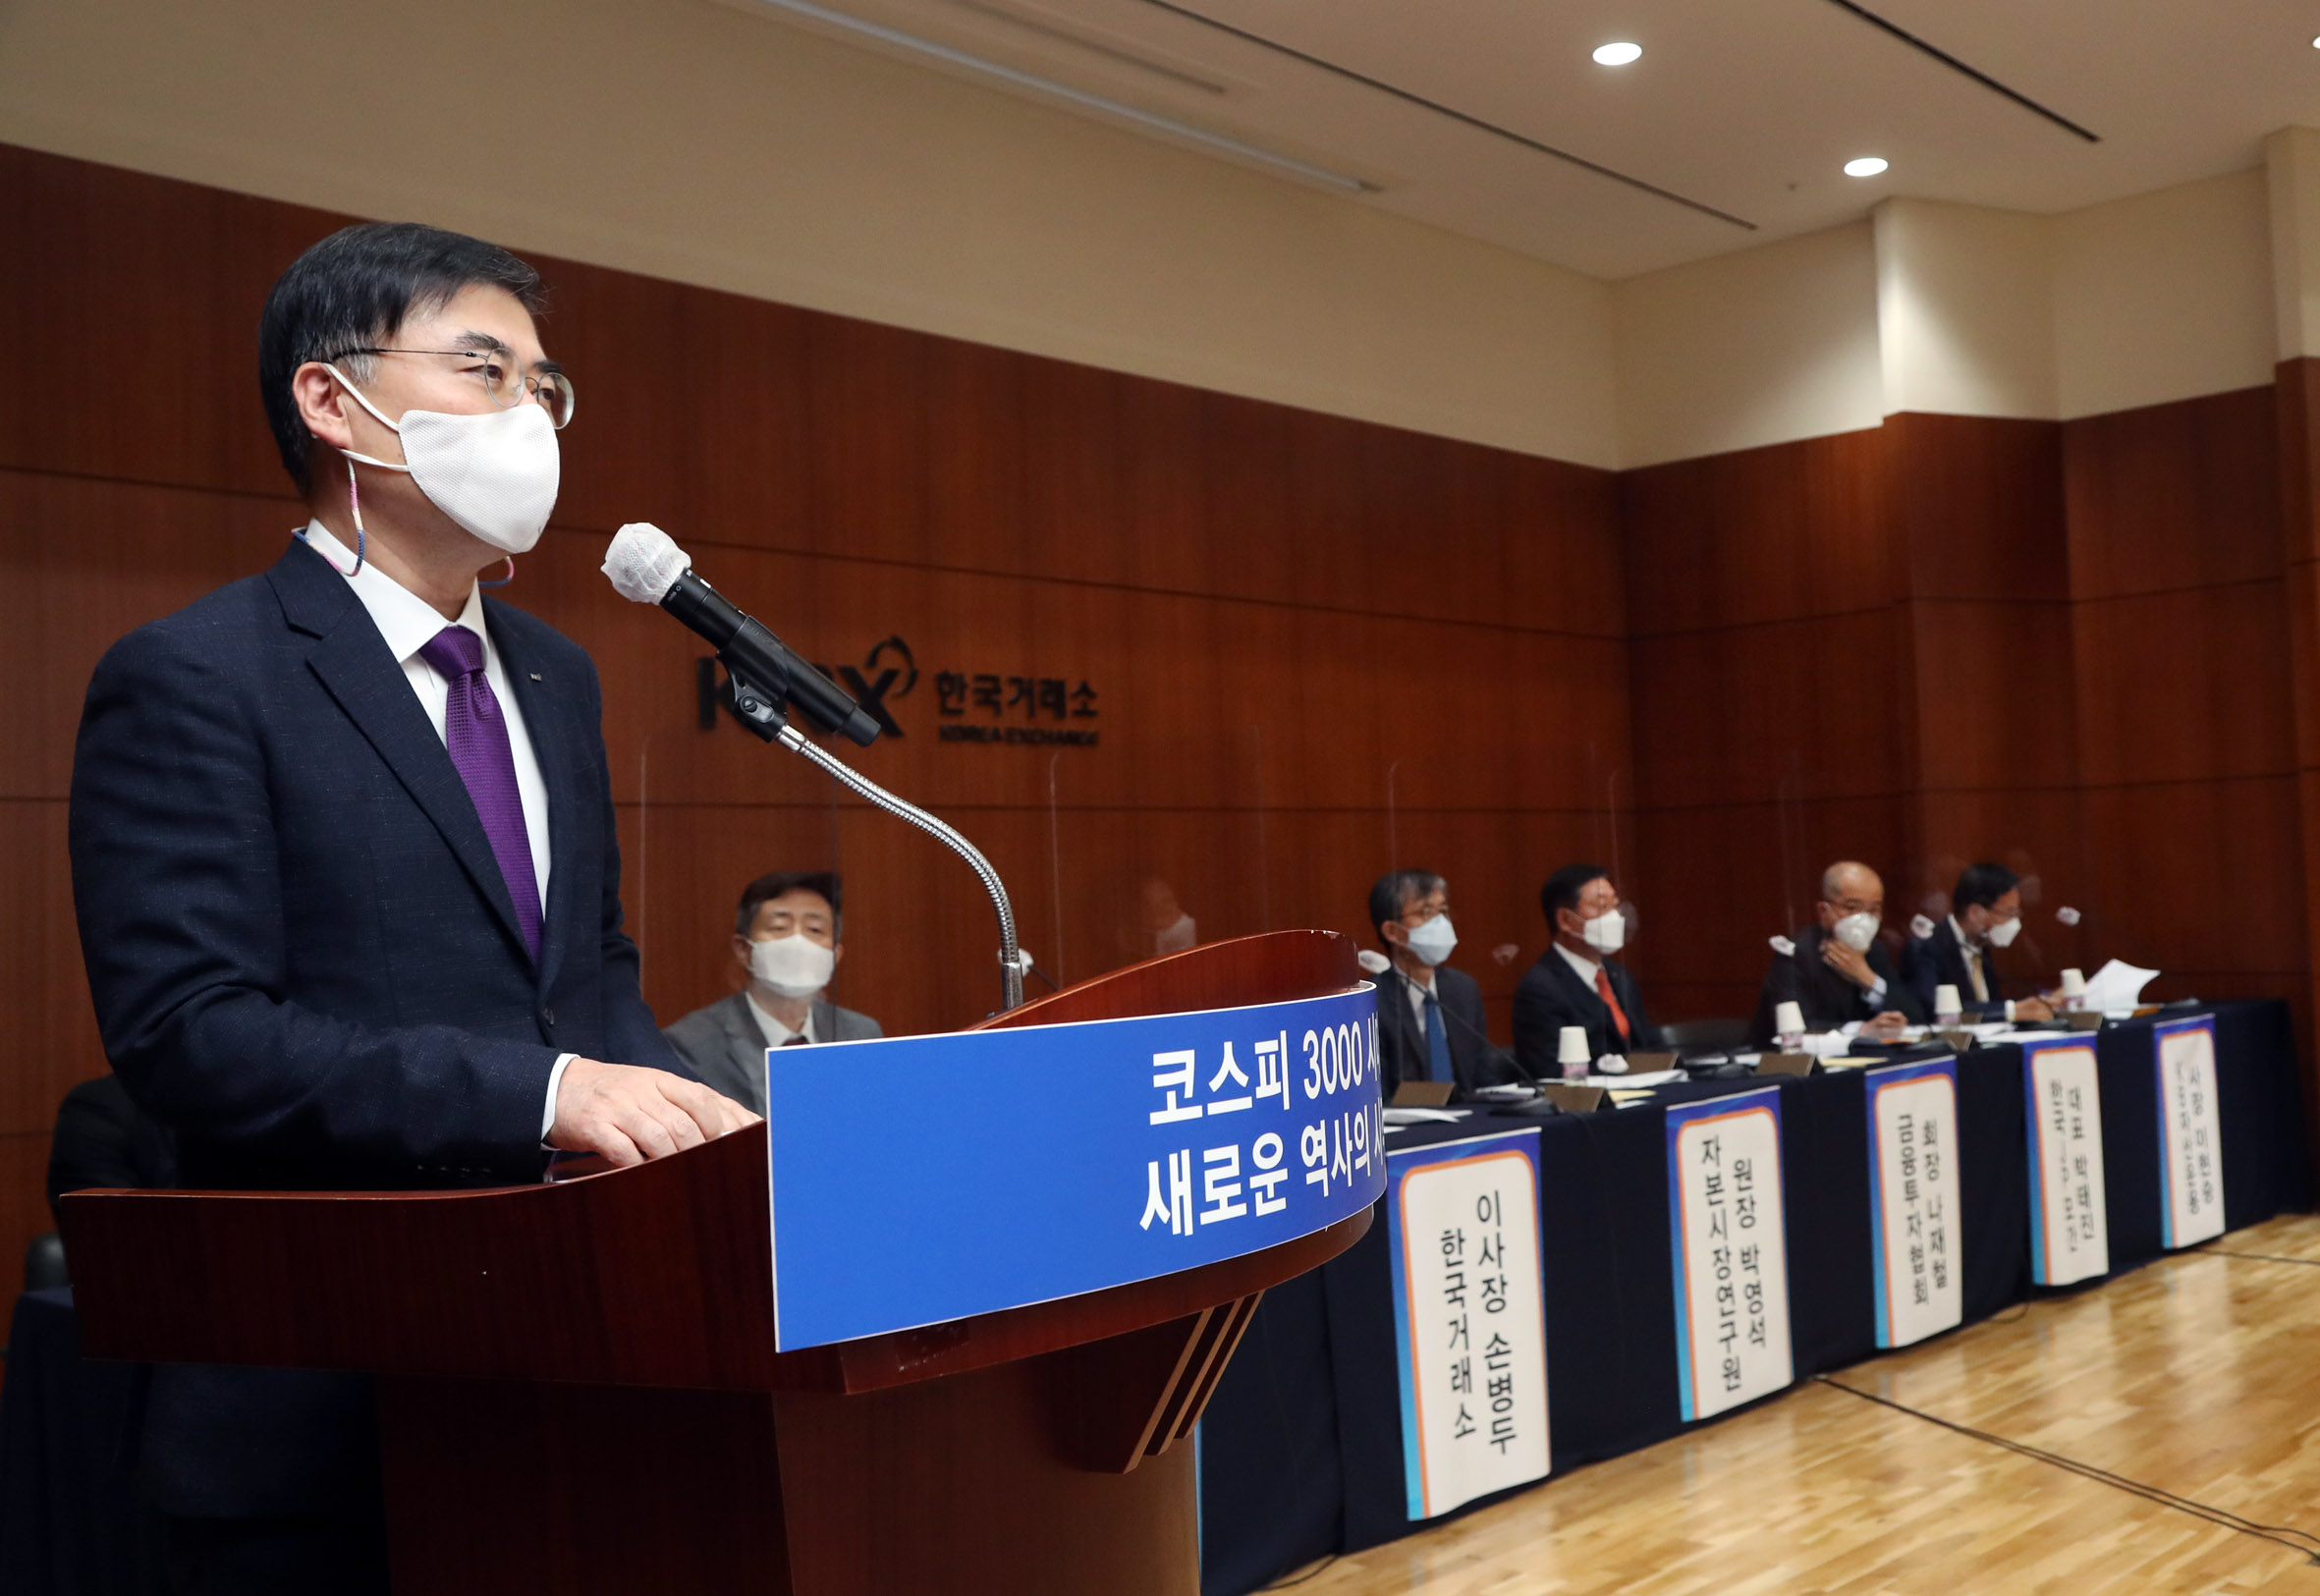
pixel 1865 166
pixel 1621 54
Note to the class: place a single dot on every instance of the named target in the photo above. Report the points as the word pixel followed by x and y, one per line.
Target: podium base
pixel 942 1488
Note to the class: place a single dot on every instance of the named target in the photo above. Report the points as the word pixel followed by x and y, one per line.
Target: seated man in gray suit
pixel 786 937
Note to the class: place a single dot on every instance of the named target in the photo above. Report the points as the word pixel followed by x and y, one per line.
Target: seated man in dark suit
pixel 1985 912
pixel 1429 1017
pixel 1838 972
pixel 785 939
pixel 1576 981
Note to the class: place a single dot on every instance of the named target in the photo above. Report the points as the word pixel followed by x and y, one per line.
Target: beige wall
pixel 2292 166
pixel 1958 310
pixel 698 142
pixel 2163 296
pixel 1965 309
pixel 1766 346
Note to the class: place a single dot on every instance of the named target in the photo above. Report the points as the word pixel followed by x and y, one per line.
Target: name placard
pixel 1730 1245
pixel 2190 1134
pixel 1912 1118
pixel 1469 1318
pixel 2070 1206
pixel 1060 1159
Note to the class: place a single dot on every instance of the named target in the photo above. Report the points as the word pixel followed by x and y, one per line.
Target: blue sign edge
pixel 1444 1152
pixel 1678 1117
pixel 1894 1074
pixel 2163 1028
pixel 2030 1144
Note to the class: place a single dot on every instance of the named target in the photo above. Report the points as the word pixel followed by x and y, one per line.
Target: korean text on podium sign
pixel 1047 1161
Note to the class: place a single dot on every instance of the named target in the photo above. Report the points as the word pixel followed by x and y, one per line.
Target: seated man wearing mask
pixel 1985 912
pixel 1429 1017
pixel 786 937
pixel 1576 981
pixel 1838 972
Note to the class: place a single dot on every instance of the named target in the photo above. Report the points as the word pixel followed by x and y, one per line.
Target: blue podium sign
pixel 1049 1161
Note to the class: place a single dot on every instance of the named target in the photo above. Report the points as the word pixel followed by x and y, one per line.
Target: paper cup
pixel 1788 1020
pixel 2073 983
pixel 1574 1049
pixel 1944 1003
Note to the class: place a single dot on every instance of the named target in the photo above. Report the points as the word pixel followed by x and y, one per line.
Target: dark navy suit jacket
pixel 1938 961
pixel 1551 996
pixel 1402 1041
pixel 305 963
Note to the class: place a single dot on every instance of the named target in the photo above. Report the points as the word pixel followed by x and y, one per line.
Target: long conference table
pixel 1301 1450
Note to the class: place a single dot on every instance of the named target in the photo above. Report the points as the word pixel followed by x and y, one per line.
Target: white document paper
pixel 1424 1116
pixel 2117 988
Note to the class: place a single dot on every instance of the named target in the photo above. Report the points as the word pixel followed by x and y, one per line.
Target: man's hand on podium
pixel 629 1114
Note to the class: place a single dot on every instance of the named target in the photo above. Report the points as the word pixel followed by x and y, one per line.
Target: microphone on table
pixel 645 564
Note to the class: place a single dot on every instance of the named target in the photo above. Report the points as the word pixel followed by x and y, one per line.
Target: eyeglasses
pixel 502 379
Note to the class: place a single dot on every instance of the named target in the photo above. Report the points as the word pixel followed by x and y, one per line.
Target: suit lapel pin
pixel 534 675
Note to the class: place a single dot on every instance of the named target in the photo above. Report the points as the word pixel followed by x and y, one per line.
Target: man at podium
pixel 344 858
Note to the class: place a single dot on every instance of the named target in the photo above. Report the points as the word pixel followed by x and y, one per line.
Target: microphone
pixel 646 566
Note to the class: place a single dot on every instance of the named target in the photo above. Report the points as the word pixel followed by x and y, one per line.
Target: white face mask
pixel 1858 931
pixel 495 473
pixel 796 967
pixel 2003 932
pixel 1607 932
pixel 1434 941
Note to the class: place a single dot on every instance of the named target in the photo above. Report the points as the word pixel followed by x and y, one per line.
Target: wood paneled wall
pixel 2064 647
pixel 2186 729
pixel 1321 648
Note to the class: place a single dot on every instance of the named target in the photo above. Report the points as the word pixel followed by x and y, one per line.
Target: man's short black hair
pixel 1563 887
pixel 1396 891
pixel 353 291
pixel 766 887
pixel 1984 884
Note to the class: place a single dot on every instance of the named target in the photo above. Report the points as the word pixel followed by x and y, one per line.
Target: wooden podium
pixel 578 1386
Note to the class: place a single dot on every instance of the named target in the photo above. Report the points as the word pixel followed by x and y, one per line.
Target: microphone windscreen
pixel 644 562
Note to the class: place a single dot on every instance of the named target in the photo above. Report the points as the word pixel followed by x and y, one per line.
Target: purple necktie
pixel 476 733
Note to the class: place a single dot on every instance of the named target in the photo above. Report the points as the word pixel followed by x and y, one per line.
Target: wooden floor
pixel 2200 1374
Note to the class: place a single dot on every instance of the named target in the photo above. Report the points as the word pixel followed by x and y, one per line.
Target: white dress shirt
pixel 1419 993
pixel 1582 965
pixel 775 1032
pixel 408 622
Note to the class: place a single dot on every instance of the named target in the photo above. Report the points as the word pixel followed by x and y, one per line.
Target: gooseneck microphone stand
pixel 759 706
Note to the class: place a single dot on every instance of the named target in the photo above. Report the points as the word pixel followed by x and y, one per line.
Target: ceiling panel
pixel 1750 109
